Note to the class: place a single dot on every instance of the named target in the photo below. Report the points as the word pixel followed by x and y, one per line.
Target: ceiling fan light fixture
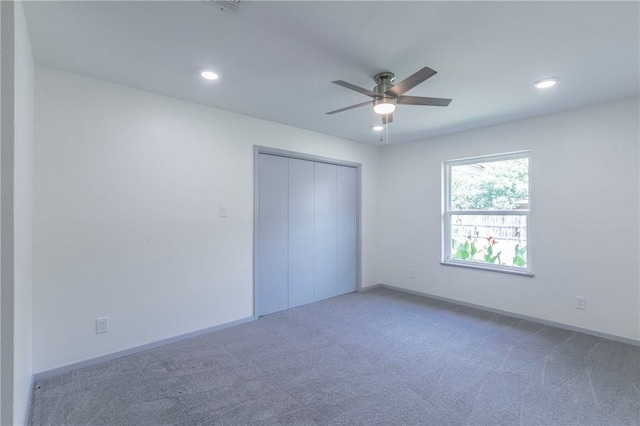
pixel 545 83
pixel 385 105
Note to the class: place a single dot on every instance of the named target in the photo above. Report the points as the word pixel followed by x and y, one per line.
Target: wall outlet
pixel 102 325
pixel 581 302
pixel 412 273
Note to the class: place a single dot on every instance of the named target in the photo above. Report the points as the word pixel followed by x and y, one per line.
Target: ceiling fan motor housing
pixel 384 82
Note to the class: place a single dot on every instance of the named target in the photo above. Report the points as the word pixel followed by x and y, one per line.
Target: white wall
pixel 17 204
pixel 127 188
pixel 23 208
pixel 584 222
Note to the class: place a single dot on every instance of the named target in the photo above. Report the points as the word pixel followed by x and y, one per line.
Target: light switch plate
pixel 102 325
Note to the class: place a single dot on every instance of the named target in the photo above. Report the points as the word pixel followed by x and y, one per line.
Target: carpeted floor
pixel 379 357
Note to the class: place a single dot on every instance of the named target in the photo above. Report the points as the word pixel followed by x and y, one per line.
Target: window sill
pixel 486 267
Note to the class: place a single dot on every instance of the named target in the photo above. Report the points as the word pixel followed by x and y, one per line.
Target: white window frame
pixel 447 212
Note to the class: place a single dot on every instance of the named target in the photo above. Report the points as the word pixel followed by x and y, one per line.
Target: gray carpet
pixel 378 357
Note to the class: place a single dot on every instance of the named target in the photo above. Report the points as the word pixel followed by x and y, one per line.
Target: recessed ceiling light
pixel 209 75
pixel 546 83
pixel 378 128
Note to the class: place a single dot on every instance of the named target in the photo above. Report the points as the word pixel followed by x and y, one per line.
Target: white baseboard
pixel 115 355
pixel 512 314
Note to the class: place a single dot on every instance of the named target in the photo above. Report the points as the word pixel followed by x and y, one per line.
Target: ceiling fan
pixel 386 95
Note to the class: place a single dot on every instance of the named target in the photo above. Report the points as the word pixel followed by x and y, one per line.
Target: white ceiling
pixel 277 59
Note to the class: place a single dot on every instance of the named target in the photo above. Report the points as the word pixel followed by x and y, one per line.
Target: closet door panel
pixel 301 229
pixel 347 232
pixel 325 232
pixel 272 269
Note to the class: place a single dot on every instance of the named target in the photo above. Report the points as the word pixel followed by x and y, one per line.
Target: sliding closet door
pixel 307 232
pixel 301 228
pixel 325 232
pixel 272 260
pixel 347 232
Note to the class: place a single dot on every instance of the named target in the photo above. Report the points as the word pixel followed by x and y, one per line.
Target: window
pixel 485 220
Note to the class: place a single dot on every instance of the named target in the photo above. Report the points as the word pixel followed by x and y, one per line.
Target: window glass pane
pixel 493 185
pixel 495 239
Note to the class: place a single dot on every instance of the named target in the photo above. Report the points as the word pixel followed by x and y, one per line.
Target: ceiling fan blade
pixel 356 88
pixel 350 107
pixel 410 82
pixel 419 100
pixel 387 118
